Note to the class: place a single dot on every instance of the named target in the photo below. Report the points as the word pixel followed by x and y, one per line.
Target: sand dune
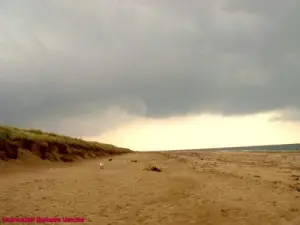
pixel 193 188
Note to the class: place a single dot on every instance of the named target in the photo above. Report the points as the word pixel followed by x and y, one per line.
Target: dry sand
pixel 193 188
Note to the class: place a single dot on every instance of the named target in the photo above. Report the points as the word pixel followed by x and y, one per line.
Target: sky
pixel 153 74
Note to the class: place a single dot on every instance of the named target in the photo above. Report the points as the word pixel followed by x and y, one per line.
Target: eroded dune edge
pixel 18 143
pixel 181 187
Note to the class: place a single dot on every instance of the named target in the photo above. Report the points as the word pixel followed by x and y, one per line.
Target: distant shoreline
pixel 257 148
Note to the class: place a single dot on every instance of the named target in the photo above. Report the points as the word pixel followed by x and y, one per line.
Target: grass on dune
pixel 13 133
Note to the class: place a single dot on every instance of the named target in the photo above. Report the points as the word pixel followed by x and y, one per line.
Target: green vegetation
pixel 12 133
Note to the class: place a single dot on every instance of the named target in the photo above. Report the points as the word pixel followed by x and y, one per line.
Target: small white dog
pixel 101 165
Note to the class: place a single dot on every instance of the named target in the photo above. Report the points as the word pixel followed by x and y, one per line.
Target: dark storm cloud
pixel 68 59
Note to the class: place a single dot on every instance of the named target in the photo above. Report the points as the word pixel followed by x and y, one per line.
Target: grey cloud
pixel 68 59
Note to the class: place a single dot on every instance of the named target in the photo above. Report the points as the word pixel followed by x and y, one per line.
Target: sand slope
pixel 193 188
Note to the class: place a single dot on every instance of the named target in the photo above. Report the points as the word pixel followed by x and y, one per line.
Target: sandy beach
pixel 203 188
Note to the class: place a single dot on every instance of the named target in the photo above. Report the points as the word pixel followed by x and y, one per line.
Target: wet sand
pixel 193 188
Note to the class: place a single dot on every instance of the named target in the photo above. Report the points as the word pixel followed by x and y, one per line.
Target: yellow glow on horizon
pixel 201 131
